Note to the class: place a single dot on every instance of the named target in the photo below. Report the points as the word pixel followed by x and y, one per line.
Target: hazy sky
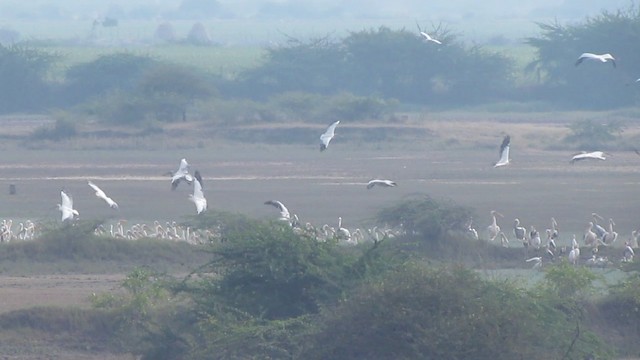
pixel 473 19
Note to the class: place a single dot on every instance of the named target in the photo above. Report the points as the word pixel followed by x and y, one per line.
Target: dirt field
pixel 318 187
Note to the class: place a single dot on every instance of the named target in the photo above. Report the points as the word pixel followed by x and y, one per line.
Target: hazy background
pixel 251 21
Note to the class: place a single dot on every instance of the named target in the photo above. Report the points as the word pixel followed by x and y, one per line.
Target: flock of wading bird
pixel 595 235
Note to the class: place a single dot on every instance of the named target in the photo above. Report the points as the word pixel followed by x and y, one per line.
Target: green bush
pixel 267 270
pixel 431 219
pixel 422 313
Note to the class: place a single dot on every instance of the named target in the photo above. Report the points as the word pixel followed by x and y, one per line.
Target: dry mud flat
pixel 21 292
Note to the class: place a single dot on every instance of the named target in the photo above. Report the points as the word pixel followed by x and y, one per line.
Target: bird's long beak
pixel 598 216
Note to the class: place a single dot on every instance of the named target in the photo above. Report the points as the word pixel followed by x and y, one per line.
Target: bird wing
pixel 198 177
pixel 198 195
pixel 504 151
pixel 372 183
pixel 99 192
pixel 326 137
pixel 184 166
pixel 67 201
pixel 284 212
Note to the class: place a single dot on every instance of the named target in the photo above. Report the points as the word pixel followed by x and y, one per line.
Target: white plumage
pixel 504 152
pixel 181 174
pixel 328 135
pixel 103 196
pixel 380 182
pixel 428 37
pixel 594 155
pixel 602 58
pixel 198 195
pixel 284 212
pixel 66 207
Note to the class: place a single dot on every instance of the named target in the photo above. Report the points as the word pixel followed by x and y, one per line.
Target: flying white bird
pixel 536 260
pixel 328 135
pixel 284 212
pixel 103 196
pixel 181 174
pixel 594 155
pixel 66 207
pixel 379 182
pixel 428 37
pixel 198 196
pixel 602 58
pixel 504 152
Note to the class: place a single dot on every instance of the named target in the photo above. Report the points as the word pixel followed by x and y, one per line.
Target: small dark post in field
pixel 12 189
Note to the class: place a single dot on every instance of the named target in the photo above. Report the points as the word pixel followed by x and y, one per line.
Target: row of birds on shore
pixel 595 236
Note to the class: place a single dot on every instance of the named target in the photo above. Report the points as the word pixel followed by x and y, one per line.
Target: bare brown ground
pixel 318 187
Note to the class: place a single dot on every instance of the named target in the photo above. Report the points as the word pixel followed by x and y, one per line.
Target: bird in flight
pixel 103 196
pixel 328 135
pixel 181 174
pixel 428 37
pixel 198 195
pixel 284 212
pixel 379 182
pixel 602 58
pixel 504 152
pixel 68 212
pixel 594 155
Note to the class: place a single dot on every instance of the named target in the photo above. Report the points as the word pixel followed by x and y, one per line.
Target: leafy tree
pixel 268 271
pixel 170 89
pixel 382 63
pixel 23 72
pixel 316 66
pixel 108 73
pixel 423 313
pixel 592 84
pixel 430 218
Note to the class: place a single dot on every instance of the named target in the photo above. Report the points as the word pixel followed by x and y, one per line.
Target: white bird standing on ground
pixel 504 152
pixel 610 236
pixel 519 231
pixel 602 58
pixel 328 135
pixel 198 195
pixel 428 37
pixel 284 212
pixel 380 182
pixel 574 254
pixel 103 196
pixel 493 229
pixel 470 230
pixel 181 174
pixel 590 238
pixel 628 252
pixel 583 155
pixel 534 238
pixel 68 212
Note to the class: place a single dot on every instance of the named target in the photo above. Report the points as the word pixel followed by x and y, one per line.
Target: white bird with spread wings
pixel 328 135
pixel 181 174
pixel 68 212
pixel 504 152
pixel 103 196
pixel 198 195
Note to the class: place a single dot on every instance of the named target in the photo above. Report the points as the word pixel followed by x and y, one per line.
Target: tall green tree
pixel 23 72
pixel 591 84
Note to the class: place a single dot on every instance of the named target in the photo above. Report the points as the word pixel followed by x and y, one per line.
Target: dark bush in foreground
pixel 421 313
pixel 268 271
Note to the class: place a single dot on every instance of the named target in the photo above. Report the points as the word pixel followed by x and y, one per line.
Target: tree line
pixel 374 67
